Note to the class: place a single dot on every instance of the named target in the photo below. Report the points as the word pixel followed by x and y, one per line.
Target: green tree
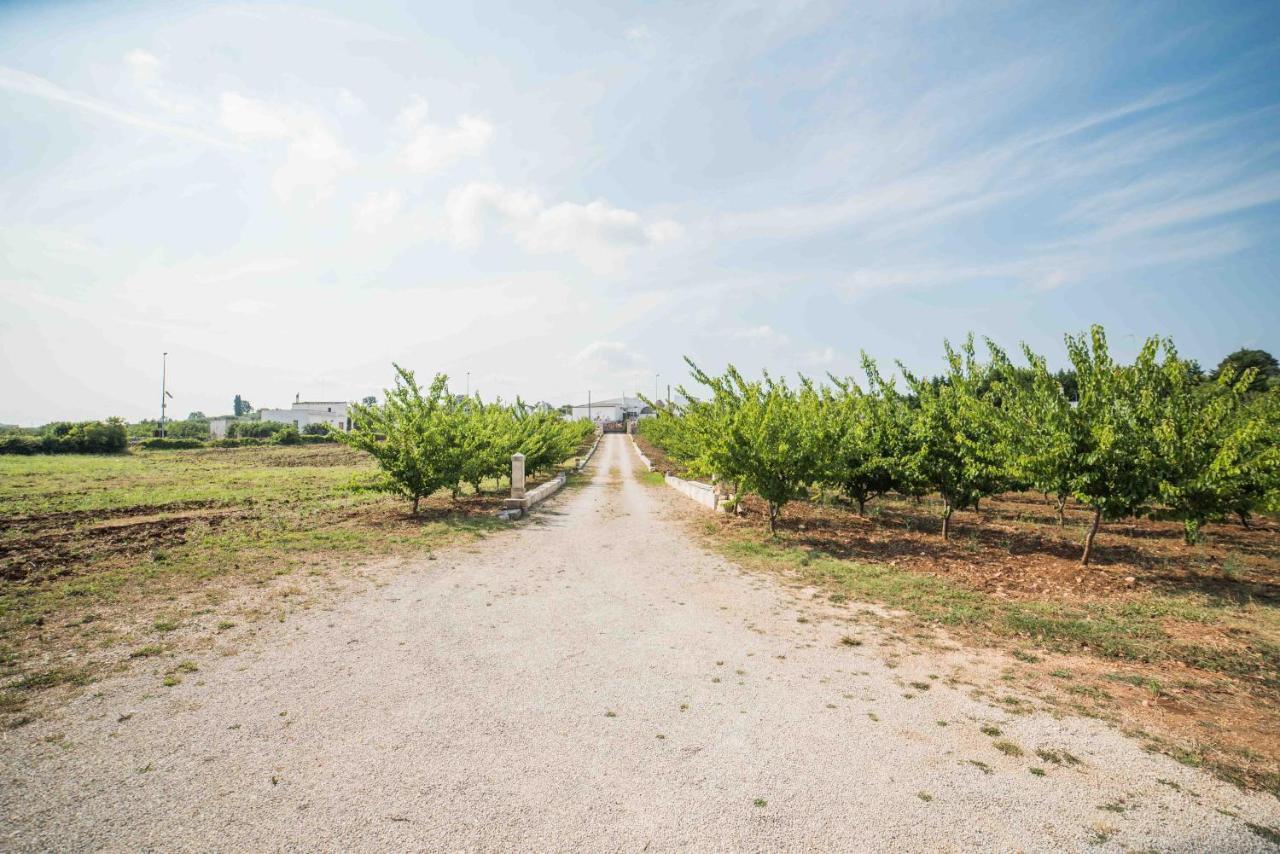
pixel 1117 461
pixel 241 407
pixel 864 438
pixel 953 444
pixel 770 447
pixel 1042 437
pixel 413 444
pixel 1266 368
pixel 1218 453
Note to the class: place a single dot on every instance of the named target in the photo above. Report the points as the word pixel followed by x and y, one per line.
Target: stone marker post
pixel 517 475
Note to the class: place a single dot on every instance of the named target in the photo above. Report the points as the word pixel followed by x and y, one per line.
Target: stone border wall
pixel 703 493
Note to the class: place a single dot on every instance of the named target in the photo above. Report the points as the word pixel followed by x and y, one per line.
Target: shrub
pixel 245 442
pixel 16 443
pixel 253 429
pixel 168 444
pixel 286 436
pixel 67 437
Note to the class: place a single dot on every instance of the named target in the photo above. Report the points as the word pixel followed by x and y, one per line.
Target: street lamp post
pixel 164 391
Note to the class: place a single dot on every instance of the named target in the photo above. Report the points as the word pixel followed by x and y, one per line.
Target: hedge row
pixel 65 437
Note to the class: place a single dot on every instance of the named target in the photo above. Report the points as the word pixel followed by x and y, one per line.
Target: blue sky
pixel 569 196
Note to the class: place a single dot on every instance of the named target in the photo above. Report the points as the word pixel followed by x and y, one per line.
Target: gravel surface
pixel 592 680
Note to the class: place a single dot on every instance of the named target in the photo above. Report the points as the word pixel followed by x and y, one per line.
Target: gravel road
pixel 591 681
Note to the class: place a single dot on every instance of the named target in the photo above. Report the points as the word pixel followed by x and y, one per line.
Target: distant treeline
pixel 69 437
pixel 113 435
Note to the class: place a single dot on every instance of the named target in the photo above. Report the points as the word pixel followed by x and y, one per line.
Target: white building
pixel 218 426
pixel 307 412
pixel 615 409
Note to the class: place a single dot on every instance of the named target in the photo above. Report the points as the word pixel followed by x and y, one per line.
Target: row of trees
pixel 428 440
pixel 1149 436
pixel 69 437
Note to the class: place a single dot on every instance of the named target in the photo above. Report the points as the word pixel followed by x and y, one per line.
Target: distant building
pixel 615 409
pixel 307 412
pixel 218 426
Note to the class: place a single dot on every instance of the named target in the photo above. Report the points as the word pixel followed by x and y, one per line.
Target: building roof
pixel 624 402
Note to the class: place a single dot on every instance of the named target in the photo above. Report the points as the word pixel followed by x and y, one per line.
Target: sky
pixel 551 199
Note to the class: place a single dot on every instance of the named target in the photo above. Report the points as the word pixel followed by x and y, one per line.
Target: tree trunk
pixel 1062 509
pixel 1088 540
pixel 415 504
pixel 1191 531
pixel 946 521
pixel 1244 519
pixel 862 506
pixel 773 517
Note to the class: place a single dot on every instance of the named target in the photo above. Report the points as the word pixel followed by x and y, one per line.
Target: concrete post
pixel 517 475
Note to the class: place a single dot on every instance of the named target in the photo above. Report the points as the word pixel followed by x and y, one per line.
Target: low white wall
pixel 543 491
pixel 703 493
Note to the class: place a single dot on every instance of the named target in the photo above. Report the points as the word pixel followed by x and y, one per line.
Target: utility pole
pixel 668 395
pixel 655 387
pixel 468 384
pixel 164 390
pixel 589 405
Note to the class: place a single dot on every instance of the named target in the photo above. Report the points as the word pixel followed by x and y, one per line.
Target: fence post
pixel 517 475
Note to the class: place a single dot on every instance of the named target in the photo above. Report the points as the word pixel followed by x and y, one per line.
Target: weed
pixel 924 796
pixel 171 679
pixel 610 714
pixel 1008 748
pixel 850 641
pixel 1100 834
pixel 1057 757
pixel 1270 834
pixel 148 651
pixel 920 686
pixel 1036 771
pixel 759 802
pixel 187 667
pixel 164 624
pixel 988 729
pixel 980 765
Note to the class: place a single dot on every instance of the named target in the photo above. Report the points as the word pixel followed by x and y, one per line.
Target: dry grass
pixel 100 554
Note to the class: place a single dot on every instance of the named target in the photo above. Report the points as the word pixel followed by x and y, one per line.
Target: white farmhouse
pixel 615 409
pixel 306 412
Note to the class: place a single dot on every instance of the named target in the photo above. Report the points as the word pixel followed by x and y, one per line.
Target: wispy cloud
pixel 38 87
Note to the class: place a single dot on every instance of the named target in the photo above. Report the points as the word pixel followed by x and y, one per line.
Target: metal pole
pixel 589 405
pixel 164 391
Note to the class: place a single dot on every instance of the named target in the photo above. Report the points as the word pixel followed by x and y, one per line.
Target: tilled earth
pixel 593 680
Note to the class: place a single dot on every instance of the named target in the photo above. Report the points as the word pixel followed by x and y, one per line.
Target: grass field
pixel 103 556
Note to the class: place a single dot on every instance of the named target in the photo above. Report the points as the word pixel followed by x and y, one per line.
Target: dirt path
pixel 592 681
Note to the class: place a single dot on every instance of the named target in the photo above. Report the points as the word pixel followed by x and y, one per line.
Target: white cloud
pixel 378 210
pixel 596 232
pixel 257 267
pixel 822 357
pixel 38 87
pixel 611 357
pixel 315 159
pixel 433 147
pixel 638 33
pixel 349 103
pixel 248 306
pixel 763 334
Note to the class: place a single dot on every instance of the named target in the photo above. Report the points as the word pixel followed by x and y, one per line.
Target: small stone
pixel 1129 580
